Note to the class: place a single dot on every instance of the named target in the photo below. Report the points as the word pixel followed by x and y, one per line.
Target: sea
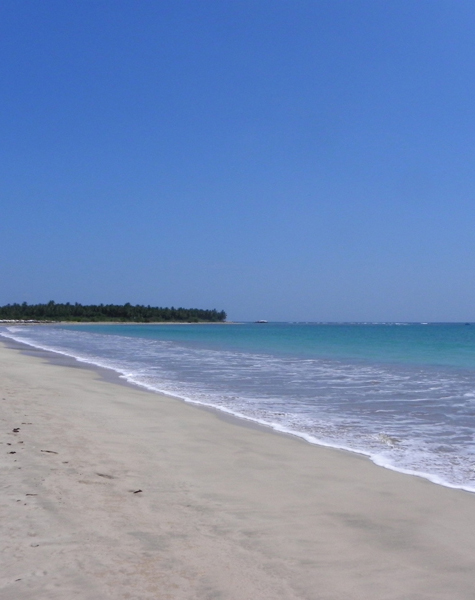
pixel 402 394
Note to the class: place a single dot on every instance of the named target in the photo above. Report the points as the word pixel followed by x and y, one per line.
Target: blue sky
pixel 287 160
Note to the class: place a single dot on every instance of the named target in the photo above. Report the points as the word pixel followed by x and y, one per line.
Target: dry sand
pixel 226 511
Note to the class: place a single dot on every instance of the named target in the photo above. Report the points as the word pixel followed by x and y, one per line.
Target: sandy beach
pixel 109 491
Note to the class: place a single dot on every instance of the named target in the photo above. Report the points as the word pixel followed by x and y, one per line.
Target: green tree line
pixel 108 312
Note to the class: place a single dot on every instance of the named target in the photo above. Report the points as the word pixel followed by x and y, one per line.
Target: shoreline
pixel 114 376
pixel 7 322
pixel 110 375
pixel 224 511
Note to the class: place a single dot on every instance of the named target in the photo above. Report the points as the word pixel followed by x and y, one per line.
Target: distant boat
pixel 261 321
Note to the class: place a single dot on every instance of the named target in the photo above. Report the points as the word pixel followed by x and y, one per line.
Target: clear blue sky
pixel 287 160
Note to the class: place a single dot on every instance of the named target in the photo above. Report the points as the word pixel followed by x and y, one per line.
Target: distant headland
pixel 54 312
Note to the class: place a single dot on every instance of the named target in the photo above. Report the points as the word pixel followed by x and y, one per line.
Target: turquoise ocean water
pixel 402 394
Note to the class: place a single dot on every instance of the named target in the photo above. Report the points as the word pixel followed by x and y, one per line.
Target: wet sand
pixel 108 491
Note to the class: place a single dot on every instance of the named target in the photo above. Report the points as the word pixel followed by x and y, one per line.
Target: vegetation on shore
pixel 108 312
